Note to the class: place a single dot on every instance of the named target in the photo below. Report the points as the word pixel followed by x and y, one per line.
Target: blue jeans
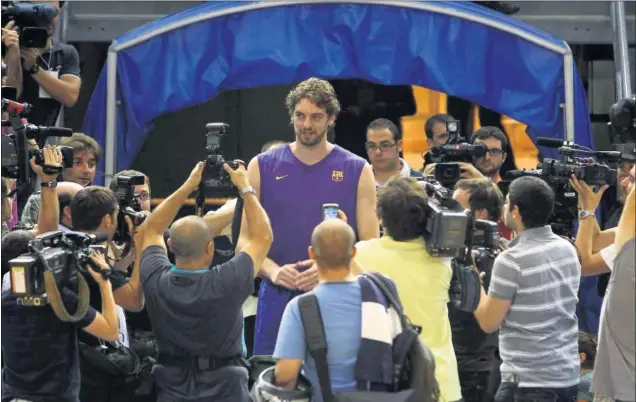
pixel 511 392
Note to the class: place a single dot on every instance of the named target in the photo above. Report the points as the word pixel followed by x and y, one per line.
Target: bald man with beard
pixel 339 297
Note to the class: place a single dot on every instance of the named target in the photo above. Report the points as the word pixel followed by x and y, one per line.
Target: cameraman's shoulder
pixel 67 50
pixel 242 259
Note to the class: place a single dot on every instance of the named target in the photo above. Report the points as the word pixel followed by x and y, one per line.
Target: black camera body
pixel 216 181
pixel 447 224
pixel 11 163
pixel 446 156
pixel 60 253
pixel 558 173
pixel 34 20
pixel 129 205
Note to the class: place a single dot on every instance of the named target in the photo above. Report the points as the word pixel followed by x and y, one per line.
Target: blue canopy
pixel 458 48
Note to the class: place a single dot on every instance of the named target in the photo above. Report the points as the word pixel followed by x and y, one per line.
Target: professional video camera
pixel 446 156
pixel 558 173
pixel 15 153
pixel 52 263
pixel 215 179
pixel 452 231
pixel 34 21
pixel 485 244
pixel 129 205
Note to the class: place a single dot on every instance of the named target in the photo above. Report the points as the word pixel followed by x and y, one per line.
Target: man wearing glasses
pixel 496 141
pixel 384 144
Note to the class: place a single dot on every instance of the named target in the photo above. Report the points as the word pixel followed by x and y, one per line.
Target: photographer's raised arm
pixel 268 267
pixel 10 38
pixel 162 217
pixel 589 234
pixel 256 236
pixel 48 219
pixel 106 324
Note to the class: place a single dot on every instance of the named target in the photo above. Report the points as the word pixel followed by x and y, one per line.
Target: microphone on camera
pixel 43 132
pixel 554 143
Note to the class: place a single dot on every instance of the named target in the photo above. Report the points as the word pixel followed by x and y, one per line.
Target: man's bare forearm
pixel 259 229
pixel 49 217
pixel 14 72
pixel 60 90
pixel 165 213
pixel 109 308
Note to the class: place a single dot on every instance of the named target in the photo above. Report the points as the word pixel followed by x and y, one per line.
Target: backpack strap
pixel 316 341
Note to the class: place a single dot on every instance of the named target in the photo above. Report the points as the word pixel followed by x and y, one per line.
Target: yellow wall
pixel 430 103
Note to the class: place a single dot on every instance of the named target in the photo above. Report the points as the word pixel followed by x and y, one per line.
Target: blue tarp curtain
pixel 387 44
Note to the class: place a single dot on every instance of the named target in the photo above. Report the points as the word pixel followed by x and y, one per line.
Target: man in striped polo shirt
pixel 533 297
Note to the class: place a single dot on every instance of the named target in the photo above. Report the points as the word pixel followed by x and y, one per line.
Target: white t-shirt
pixel 609 254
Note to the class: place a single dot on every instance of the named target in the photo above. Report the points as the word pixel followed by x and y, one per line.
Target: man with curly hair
pixel 293 182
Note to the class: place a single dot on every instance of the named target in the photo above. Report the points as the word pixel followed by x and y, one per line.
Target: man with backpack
pixel 359 325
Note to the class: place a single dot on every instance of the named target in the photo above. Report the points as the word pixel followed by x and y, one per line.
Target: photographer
pixel 596 246
pixel 497 143
pixel 614 377
pixel 532 298
pixel 436 134
pixel 47 78
pixel 86 155
pixel 476 350
pixel 95 209
pixel 142 190
pixel 422 281
pixel 195 310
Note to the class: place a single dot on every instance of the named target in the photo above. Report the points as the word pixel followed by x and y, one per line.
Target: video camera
pixel 215 179
pixel 558 173
pixel 456 149
pixel 34 21
pixel 15 152
pixel 451 231
pixel 129 205
pixel 52 263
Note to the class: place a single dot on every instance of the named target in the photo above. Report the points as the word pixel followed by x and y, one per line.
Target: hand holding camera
pixel 588 198
pixel 101 271
pixel 11 39
pixel 51 166
pixel 194 179
pixel 238 175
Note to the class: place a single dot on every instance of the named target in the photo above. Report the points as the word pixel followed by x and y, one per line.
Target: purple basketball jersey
pixel 292 193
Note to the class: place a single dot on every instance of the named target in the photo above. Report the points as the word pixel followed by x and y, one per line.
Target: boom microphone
pixel 554 143
pixel 34 131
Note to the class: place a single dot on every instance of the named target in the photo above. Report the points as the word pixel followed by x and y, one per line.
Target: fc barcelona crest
pixel 337 175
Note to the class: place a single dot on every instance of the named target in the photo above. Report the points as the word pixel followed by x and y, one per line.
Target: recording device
pixel 445 157
pixel 129 205
pixel 16 154
pixel 558 173
pixel 451 231
pixel 12 107
pixel 52 263
pixel 485 244
pixel 215 181
pixel 33 21
pixel 330 211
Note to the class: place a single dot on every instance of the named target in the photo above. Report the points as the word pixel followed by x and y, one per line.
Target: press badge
pixel 43 93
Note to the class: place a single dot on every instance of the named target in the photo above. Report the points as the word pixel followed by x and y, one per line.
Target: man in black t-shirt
pixel 95 209
pixel 46 78
pixel 195 310
pixel 40 352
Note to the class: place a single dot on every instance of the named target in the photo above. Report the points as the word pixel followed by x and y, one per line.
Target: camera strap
pixel 55 298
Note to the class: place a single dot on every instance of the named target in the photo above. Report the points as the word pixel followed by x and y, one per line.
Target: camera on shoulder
pixel 447 156
pixel 450 231
pixel 54 262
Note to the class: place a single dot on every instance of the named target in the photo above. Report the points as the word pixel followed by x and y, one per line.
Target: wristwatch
pixel 50 184
pixel 585 214
pixel 247 190
pixel 34 69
